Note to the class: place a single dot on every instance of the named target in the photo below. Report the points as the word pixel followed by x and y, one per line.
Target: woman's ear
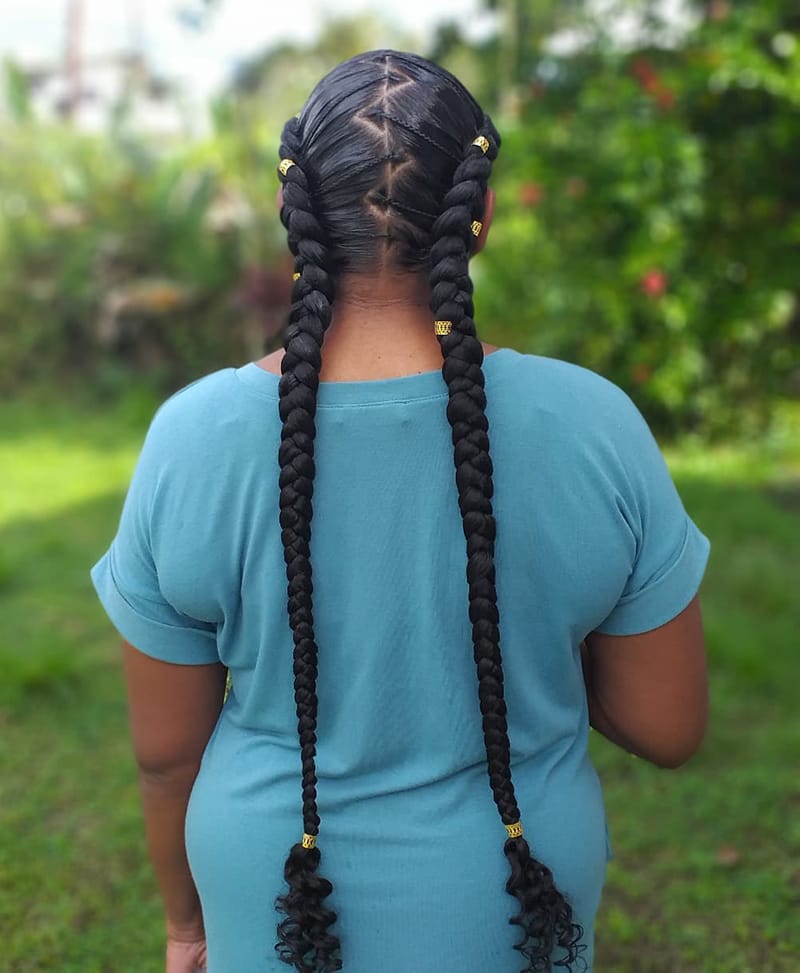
pixel 280 198
pixel 488 215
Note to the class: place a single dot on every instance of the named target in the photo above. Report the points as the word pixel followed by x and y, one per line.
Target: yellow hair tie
pixel 483 143
pixel 443 327
pixel 514 830
pixel 296 276
pixel 285 166
pixel 476 227
pixel 309 840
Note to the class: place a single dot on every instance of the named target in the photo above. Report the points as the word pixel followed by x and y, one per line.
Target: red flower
pixel 665 97
pixel 649 81
pixel 653 282
pixel 530 194
pixel 641 373
pixel 645 73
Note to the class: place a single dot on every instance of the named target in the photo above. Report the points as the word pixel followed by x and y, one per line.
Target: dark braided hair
pixel 304 940
pixel 389 171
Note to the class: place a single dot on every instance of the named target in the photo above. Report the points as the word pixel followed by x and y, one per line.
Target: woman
pixel 353 704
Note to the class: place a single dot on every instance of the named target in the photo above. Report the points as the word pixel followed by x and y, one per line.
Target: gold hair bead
pixel 285 166
pixel 309 840
pixel 296 276
pixel 514 830
pixel 443 327
pixel 477 226
pixel 482 142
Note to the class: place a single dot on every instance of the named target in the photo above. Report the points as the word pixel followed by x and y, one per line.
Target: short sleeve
pixel 126 578
pixel 670 551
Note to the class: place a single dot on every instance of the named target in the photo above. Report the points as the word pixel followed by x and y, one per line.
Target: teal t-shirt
pixel 591 535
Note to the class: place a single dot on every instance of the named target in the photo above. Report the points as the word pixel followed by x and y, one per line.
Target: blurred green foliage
pixel 648 220
pixel 649 216
pixel 109 256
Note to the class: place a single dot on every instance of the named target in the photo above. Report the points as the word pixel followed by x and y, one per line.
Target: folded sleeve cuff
pixel 667 595
pixel 164 640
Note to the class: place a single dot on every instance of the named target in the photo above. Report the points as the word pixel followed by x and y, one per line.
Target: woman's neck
pixel 382 327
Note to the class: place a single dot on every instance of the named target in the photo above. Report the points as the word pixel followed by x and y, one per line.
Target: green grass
pixel 706 874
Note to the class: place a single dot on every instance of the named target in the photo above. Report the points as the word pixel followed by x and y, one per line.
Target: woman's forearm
pixel 164 799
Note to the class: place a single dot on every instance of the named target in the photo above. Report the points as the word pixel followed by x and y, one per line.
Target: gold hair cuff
pixel 482 142
pixel 296 276
pixel 514 830
pixel 476 227
pixel 285 166
pixel 442 327
pixel 309 840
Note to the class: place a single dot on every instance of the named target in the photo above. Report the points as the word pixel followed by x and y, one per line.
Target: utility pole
pixel 136 27
pixel 73 57
pixel 509 54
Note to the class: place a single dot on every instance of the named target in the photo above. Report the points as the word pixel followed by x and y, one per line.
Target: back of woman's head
pixel 379 140
pixel 385 170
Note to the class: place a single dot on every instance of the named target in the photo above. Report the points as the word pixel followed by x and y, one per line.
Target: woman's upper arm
pixel 653 685
pixel 173 710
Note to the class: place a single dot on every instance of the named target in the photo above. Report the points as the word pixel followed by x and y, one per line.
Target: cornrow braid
pixel 304 937
pixel 405 208
pixel 410 127
pixel 549 934
pixel 348 176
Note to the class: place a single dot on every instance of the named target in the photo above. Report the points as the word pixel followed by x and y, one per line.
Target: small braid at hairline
pixel 549 934
pixel 304 937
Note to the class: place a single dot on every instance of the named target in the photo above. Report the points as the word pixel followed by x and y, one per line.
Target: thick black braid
pixel 304 938
pixel 549 935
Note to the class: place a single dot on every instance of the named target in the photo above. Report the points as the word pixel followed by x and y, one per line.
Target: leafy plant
pixel 649 222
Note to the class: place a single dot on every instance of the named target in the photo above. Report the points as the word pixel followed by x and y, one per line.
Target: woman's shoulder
pixel 200 393
pixel 561 387
pixel 197 413
pixel 575 413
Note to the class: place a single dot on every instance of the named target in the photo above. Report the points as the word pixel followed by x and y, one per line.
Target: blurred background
pixel 648 227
